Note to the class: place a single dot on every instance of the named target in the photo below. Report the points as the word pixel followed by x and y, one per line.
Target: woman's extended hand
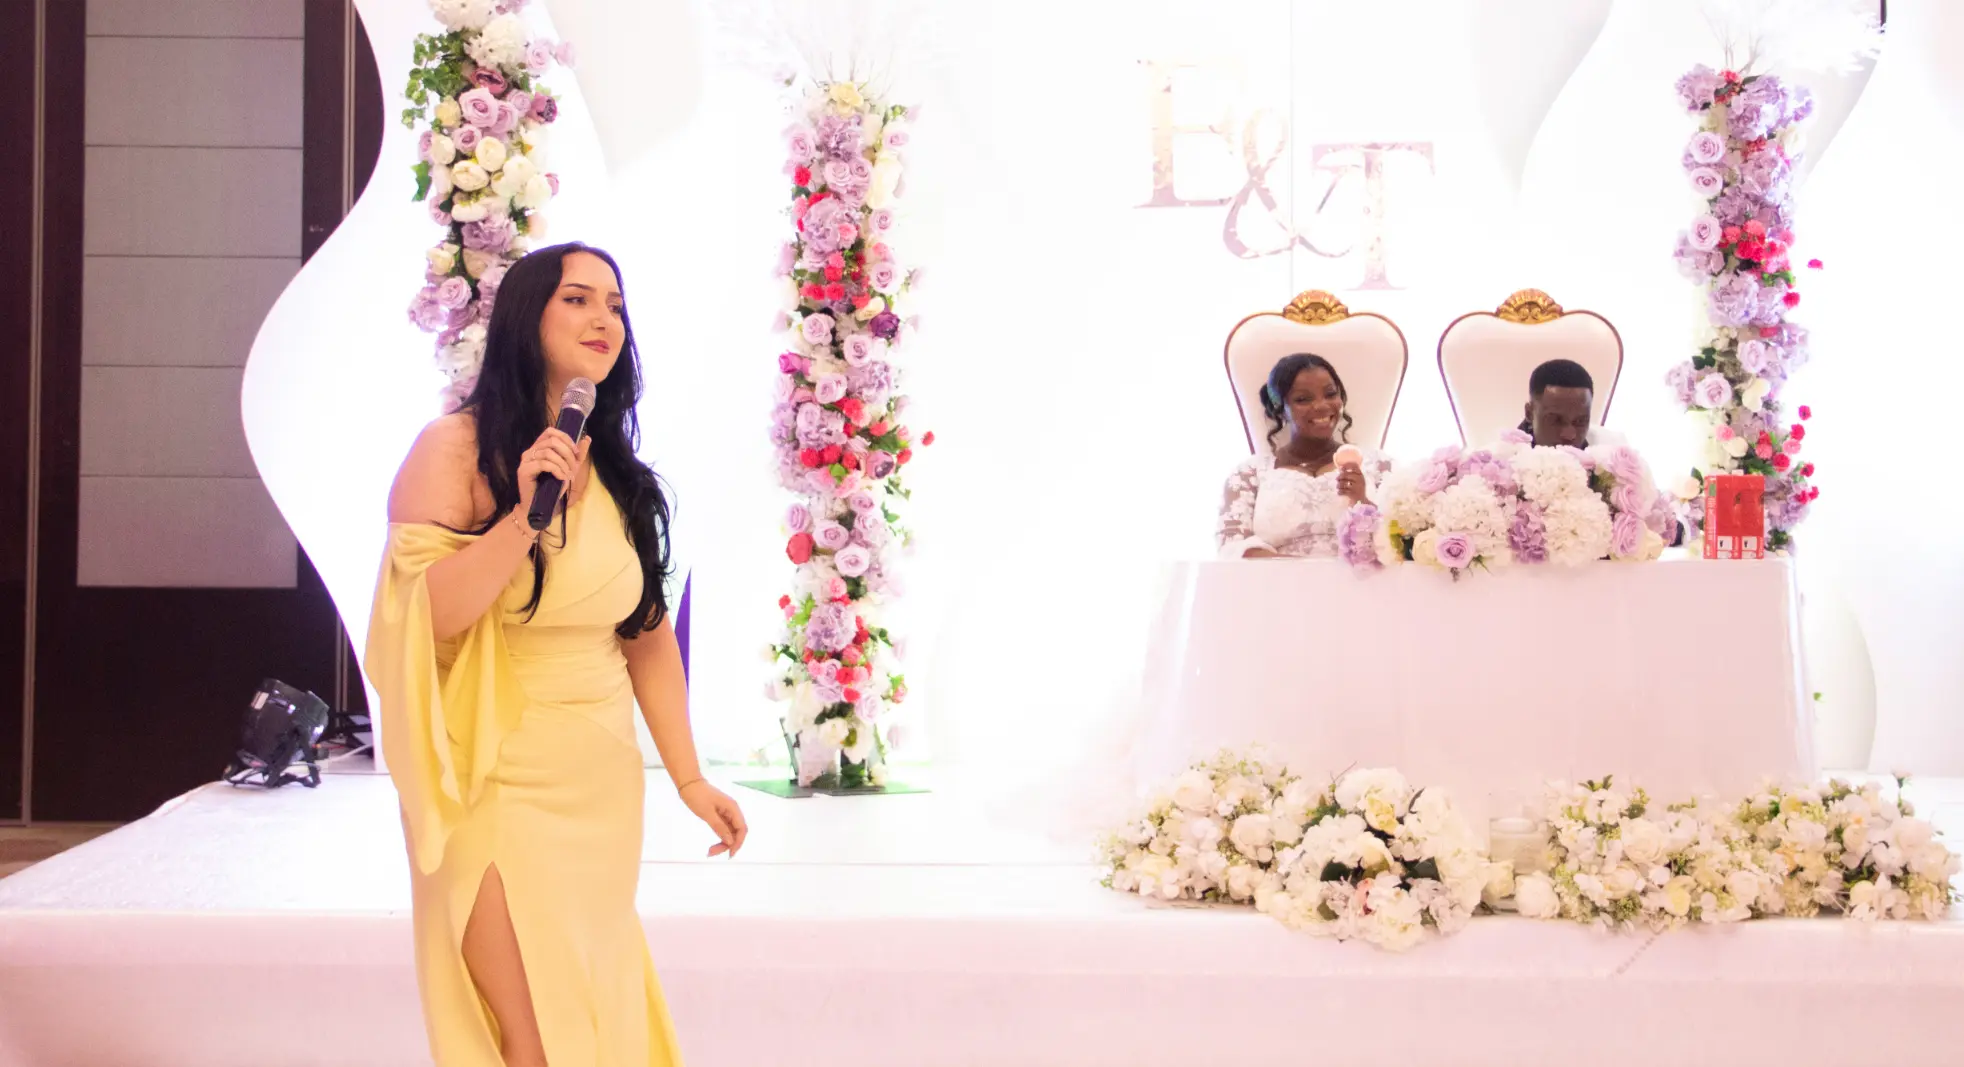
pixel 713 806
pixel 1350 484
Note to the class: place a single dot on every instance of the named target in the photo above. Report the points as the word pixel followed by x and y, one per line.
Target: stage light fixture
pixel 283 728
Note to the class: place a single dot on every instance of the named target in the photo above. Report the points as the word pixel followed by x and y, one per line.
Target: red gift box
pixel 1735 516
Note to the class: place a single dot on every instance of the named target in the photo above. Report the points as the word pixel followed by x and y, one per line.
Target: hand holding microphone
pixel 547 468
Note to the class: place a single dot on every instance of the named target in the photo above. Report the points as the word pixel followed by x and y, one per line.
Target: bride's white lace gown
pixel 1287 511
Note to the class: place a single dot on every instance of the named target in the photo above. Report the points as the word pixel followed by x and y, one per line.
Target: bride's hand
pixel 714 807
pixel 1350 484
pixel 1260 553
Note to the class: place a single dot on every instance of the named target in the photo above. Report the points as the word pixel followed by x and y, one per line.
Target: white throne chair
pixel 1486 357
pixel 1367 349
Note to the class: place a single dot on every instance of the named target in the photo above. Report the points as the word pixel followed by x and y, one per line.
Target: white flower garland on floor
pixel 1372 859
pixel 481 166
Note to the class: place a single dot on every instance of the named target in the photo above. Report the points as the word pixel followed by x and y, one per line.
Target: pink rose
pixel 859 349
pixel 480 108
pixel 454 293
pixel 1706 233
pixel 468 138
pixel 1712 391
pixel 831 535
pixel 864 504
pixel 897 137
pixel 1626 465
pixel 885 277
pixel 798 518
pixel 817 329
pixel 837 174
pixel 1455 551
pixel 538 57
pixel 802 142
pixel 820 481
pixel 521 102
pixel 505 121
pixel 1435 479
pixel 1626 534
pixel 1626 497
pixel 1707 182
pixel 882 221
pixel 830 388
pixel 1706 148
pixel 834 588
pixel 564 53
pixel 789 363
pixel 853 561
pixel 1755 356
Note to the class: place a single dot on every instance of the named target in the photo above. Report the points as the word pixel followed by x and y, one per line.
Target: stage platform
pixel 264 929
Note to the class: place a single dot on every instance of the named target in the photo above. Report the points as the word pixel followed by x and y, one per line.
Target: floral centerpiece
pixel 1378 861
pixel 1213 834
pixel 1512 503
pixel 1848 849
pixel 482 167
pixel 842 444
pixel 1740 164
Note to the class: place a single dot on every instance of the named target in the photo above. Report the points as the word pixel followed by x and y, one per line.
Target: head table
pixel 1680 675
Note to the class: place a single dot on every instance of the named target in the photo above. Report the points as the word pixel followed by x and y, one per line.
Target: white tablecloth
pixel 1682 676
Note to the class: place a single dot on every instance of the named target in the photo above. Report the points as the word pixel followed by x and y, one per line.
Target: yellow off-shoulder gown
pixel 513 744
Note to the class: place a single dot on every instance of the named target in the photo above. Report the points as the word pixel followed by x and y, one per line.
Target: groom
pixel 1561 402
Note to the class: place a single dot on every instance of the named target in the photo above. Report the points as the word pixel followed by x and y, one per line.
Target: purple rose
pixel 881 221
pixel 799 518
pixel 880 465
pixel 1626 497
pixel 1626 534
pixel 801 142
pixel 1625 465
pixel 830 628
pixel 564 53
pixel 859 171
pixel 492 234
pixel 838 173
pixel 505 121
pixel 538 57
pixel 831 536
pixel 859 349
pixel 853 560
pixel 1455 551
pixel 871 532
pixel 467 139
pixel 453 293
pixel 816 329
pixel 520 101
pixel 1357 537
pixel 862 503
pixel 830 388
pixel 1706 148
pixel 479 106
pixel 1698 90
pixel 1735 300
pixel 885 277
pixel 1712 391
pixel 1707 182
pixel 885 325
pixel 1436 478
pixel 1527 535
pixel 490 80
pixel 1755 356
pixel 544 108
pixel 1706 232
pixel 423 146
pixel 1679 379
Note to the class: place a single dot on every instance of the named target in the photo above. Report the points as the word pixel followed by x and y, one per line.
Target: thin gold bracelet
pixel 693 781
pixel 525 528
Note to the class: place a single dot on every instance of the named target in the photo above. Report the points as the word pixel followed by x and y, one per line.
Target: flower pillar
pixel 841 444
pixel 482 167
pixel 1741 164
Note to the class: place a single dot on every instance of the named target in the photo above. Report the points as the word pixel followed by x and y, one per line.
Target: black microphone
pixel 574 406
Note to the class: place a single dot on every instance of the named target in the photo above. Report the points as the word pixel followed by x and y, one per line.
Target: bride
pixel 1290 503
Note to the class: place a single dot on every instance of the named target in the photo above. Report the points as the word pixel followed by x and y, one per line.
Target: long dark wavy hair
pixel 509 405
pixel 1275 394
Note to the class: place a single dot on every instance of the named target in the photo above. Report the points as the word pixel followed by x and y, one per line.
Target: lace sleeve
pixel 1235 532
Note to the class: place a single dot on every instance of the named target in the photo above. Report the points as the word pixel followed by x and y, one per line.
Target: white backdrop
pixel 1070 359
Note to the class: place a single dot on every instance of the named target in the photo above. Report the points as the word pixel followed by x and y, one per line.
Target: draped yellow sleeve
pixel 445 707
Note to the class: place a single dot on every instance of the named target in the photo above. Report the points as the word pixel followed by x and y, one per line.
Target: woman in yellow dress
pixel 509 664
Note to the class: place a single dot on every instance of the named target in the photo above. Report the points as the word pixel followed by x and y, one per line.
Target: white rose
pixel 491 154
pixel 886 176
pixel 1755 394
pixel 873 307
pixel 1677 896
pixel 469 176
pixel 1643 841
pixel 440 183
pixel 1242 880
pixel 1360 783
pixel 442 258
pixel 537 193
pixel 1534 897
pixel 1193 791
pixel 1202 832
pixel 442 149
pixel 448 114
pixel 467 15
pixel 1743 886
pixel 476 262
pixel 1623 882
pixel 513 177
pixel 1737 447
pixel 470 210
pixel 833 732
pixel 1252 834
